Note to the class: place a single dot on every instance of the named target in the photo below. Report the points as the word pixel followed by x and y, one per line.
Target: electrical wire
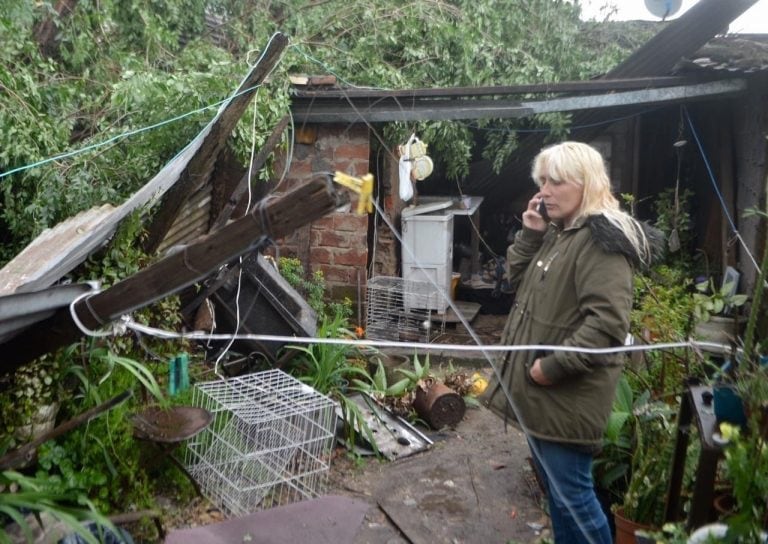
pixel 719 195
pixel 248 207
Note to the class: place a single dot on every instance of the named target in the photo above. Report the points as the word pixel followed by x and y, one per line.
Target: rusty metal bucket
pixel 439 405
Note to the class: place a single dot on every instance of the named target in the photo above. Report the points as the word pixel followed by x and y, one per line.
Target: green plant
pixel 654 433
pixel 610 469
pixel 329 367
pixel 661 312
pixel 670 533
pixel 378 387
pixel 673 218
pixel 313 288
pixel 419 373
pixel 22 495
pixel 746 463
pixel 708 300
pixel 33 387
pixel 101 459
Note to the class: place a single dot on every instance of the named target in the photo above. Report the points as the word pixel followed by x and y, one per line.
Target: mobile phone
pixel 542 210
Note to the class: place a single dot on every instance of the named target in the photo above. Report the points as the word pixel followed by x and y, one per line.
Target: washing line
pixel 91 147
pixel 496 348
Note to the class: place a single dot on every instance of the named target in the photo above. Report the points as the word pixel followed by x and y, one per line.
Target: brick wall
pixel 336 244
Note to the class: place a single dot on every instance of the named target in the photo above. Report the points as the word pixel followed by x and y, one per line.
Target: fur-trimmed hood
pixel 612 240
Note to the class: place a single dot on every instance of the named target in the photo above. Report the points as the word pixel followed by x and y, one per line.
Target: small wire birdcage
pixel 270 441
pixel 401 310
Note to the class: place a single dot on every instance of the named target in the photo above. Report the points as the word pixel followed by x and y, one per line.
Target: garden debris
pixel 395 437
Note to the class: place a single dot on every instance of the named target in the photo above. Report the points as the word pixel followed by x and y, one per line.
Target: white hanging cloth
pixel 404 169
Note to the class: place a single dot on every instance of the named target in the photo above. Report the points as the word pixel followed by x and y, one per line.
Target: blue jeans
pixel 573 506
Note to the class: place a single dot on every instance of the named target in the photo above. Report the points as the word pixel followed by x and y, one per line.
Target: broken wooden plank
pixel 23 455
pixel 198 169
pixel 258 162
pixel 274 217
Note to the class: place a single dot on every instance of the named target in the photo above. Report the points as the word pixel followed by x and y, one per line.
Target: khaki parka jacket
pixel 574 288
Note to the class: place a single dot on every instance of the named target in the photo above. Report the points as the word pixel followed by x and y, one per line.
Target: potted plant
pixel 713 311
pixel 642 506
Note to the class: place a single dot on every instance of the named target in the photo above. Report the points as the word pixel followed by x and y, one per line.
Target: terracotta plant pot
pixel 625 528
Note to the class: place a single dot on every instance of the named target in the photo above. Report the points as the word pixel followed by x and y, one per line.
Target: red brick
pixel 344 165
pixel 359 169
pixel 331 239
pixel 343 275
pixel 324 223
pixel 352 257
pixel 298 169
pixel 288 251
pixel 320 255
pixel 352 150
pixel 350 222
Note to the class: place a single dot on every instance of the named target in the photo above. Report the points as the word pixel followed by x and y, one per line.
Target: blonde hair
pixel 583 165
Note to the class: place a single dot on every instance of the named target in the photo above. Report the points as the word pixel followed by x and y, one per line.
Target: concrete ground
pixel 474 485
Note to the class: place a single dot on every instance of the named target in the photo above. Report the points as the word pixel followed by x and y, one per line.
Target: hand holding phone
pixel 542 210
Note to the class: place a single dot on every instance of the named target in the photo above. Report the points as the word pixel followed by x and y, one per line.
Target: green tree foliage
pixel 119 66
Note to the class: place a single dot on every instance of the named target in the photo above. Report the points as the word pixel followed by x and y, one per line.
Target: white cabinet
pixel 427 252
pixel 427 255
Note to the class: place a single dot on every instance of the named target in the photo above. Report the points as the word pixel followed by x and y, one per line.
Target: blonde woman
pixel 571 265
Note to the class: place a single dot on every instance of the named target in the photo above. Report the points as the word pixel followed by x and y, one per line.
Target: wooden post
pixel 273 218
pixel 198 169
pixel 258 162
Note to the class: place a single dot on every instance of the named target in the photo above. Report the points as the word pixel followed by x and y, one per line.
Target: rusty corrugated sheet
pixel 192 222
pixel 57 250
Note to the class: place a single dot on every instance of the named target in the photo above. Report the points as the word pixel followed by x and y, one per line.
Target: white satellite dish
pixel 663 8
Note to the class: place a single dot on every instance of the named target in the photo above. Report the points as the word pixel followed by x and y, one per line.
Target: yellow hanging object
pixel 362 186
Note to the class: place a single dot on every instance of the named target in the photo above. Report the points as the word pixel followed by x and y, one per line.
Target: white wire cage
pixel 402 310
pixel 270 442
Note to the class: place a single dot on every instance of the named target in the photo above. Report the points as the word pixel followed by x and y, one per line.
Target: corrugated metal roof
pixel 683 36
pixel 737 54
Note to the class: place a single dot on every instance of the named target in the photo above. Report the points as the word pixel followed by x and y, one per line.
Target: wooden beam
pixel 682 37
pixel 589 86
pixel 637 98
pixel 274 218
pixel 333 111
pixel 200 165
pixel 258 162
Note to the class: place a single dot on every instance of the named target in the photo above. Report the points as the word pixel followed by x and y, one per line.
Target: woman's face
pixel 562 199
